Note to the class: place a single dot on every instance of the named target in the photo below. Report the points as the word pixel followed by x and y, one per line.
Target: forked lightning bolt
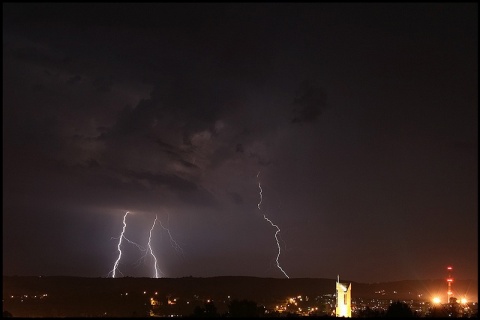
pixel 273 225
pixel 115 266
pixel 135 244
pixel 150 247
pixel 122 236
pixel 174 244
pixel 150 250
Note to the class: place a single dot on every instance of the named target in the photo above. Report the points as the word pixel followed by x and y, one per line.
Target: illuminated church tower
pixel 343 307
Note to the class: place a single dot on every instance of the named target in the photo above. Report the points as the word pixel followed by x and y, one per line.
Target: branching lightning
pixel 147 250
pixel 135 244
pixel 151 251
pixel 273 225
pixel 150 247
pixel 174 244
pixel 122 236
pixel 115 266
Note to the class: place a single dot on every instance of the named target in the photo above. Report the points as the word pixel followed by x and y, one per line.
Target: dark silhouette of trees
pixel 437 312
pixel 475 315
pixel 292 315
pixel 198 312
pixel 6 314
pixel 209 311
pixel 370 313
pixel 243 309
pixel 451 310
pixel 399 309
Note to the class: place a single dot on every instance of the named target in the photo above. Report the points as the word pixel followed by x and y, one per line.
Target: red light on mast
pixel 449 282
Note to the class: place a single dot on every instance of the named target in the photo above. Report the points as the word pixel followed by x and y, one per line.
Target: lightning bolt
pixel 278 245
pixel 150 247
pixel 260 187
pixel 273 225
pixel 115 266
pixel 122 236
pixel 149 250
pixel 135 244
pixel 174 244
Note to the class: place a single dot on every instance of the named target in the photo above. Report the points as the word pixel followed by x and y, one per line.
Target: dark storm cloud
pixel 74 79
pixel 309 103
pixel 134 121
pixel 166 147
pixel 194 102
pixel 41 135
pixel 102 129
pixel 200 112
pixel 176 153
pixel 36 55
pixel 193 107
pixel 237 199
pixel 169 180
pixel 103 84
pixel 259 159
pixel 92 163
pixel 185 189
pixel 187 164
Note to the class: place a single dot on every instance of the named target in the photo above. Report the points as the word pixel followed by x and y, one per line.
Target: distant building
pixel 343 307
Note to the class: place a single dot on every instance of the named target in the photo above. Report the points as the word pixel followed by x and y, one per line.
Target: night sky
pixel 360 120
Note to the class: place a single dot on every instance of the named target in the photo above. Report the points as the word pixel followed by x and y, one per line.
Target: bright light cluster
pixel 436 300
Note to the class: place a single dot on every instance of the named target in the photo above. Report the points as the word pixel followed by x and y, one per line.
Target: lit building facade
pixel 343 307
